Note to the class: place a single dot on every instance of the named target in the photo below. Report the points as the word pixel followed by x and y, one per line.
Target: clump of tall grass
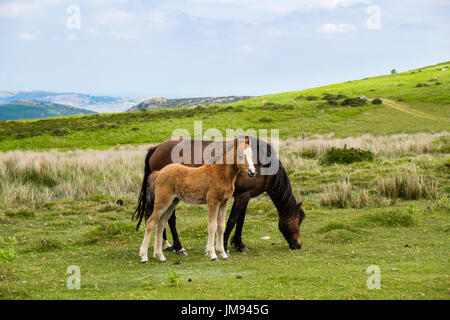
pixel 409 185
pixel 342 195
pixel 338 194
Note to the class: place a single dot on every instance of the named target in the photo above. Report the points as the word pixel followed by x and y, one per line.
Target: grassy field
pixel 392 211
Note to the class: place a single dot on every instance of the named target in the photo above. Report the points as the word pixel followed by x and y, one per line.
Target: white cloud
pixel 124 24
pixel 71 36
pixel 246 48
pixel 124 35
pixel 229 9
pixel 18 8
pixel 27 36
pixel 337 28
pixel 116 17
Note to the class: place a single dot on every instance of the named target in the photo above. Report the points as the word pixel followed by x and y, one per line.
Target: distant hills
pixel 165 103
pixel 78 100
pixel 100 104
pixel 32 109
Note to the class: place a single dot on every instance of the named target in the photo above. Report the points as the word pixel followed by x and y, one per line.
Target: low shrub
pixel 21 213
pixel 377 101
pixel 60 132
pixel 354 102
pixel 346 156
pixel 329 96
pixel 46 245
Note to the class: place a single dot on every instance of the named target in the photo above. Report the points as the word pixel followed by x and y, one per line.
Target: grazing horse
pixel 211 184
pixel 276 184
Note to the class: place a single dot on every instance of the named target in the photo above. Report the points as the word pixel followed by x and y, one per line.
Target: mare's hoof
pixel 163 261
pixel 144 262
pixel 172 248
pixel 215 259
pixel 242 248
pixel 182 252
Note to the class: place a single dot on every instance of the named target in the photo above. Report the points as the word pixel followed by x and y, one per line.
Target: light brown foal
pixel 211 184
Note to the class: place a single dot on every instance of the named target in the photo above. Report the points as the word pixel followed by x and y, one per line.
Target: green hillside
pixel 414 101
pixel 30 109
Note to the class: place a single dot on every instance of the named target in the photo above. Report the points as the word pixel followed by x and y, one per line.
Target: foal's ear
pixel 299 205
pixel 247 141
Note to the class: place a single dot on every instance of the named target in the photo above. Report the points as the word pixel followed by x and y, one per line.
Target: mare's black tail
pixel 144 208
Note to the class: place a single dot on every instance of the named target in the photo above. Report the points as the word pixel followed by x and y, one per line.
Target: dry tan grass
pixel 381 146
pixel 38 177
pixel 338 194
pixel 409 185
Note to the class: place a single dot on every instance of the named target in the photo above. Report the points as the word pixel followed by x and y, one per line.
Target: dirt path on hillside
pixel 417 113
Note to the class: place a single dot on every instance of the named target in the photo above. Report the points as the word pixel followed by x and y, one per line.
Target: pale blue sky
pixel 185 48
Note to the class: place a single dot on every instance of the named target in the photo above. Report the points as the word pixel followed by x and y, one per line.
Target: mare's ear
pixel 299 205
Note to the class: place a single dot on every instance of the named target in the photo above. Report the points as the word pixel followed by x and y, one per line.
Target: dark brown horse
pixel 276 184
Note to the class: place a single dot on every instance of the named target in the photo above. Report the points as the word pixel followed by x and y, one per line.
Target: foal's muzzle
pixel 251 174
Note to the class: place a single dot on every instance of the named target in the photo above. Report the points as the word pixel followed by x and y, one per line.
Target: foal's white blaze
pixel 249 156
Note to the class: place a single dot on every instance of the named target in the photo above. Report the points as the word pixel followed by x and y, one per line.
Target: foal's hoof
pixel 182 252
pixel 163 261
pixel 144 262
pixel 171 248
pixel 215 259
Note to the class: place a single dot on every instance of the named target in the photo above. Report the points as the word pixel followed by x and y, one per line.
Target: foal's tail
pixel 144 207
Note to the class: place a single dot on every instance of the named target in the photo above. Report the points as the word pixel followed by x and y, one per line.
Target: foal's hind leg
pixel 160 227
pixel 159 208
pixel 149 226
pixel 220 230
pixel 212 227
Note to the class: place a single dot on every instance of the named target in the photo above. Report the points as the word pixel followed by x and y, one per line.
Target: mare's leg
pixel 236 241
pixel 237 214
pixel 213 209
pixel 220 230
pixel 177 247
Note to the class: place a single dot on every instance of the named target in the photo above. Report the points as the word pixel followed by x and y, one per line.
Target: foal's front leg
pixel 213 209
pixel 220 230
